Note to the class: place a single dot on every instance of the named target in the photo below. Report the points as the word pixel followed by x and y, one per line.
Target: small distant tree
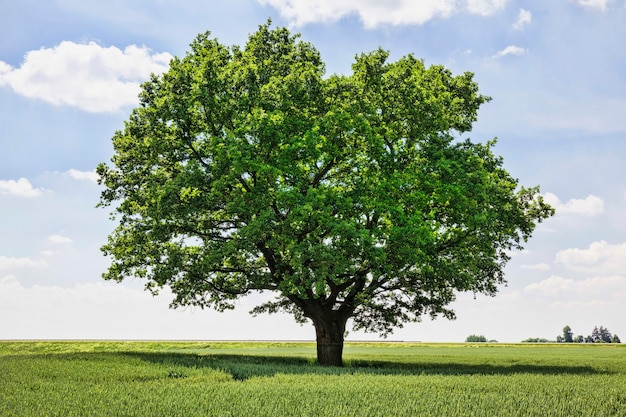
pixel 615 339
pixel 605 335
pixel 475 338
pixel 579 339
pixel 568 335
pixel 595 335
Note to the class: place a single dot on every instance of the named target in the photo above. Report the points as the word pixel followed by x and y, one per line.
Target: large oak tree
pixel 349 196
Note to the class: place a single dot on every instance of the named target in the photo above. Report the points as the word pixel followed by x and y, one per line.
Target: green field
pixel 280 379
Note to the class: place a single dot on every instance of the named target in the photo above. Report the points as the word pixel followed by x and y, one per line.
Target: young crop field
pixel 280 379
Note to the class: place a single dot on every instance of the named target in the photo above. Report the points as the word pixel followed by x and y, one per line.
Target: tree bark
pixel 329 333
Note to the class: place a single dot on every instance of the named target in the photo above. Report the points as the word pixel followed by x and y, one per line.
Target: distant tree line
pixel 598 335
pixel 537 340
pixel 473 338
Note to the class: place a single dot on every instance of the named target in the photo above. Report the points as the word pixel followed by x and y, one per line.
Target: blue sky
pixel 69 76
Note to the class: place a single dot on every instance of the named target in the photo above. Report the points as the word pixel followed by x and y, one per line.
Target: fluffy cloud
pixel 21 188
pixel 104 310
pixel 485 7
pixel 373 14
pixel 59 239
pixel 593 4
pixel 9 283
pixel 550 286
pixel 523 18
pixel 599 257
pixel 589 206
pixel 87 76
pixel 9 262
pixel 596 290
pixel 82 175
pixel 538 267
pixel 511 50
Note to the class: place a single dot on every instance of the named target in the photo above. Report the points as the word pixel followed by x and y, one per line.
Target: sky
pixel 69 77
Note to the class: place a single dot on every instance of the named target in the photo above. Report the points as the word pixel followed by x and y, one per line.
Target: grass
pixel 281 379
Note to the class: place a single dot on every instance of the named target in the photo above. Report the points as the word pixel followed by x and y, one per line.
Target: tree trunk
pixel 329 332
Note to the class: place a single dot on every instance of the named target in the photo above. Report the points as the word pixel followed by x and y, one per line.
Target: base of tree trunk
pixel 329 353
pixel 330 327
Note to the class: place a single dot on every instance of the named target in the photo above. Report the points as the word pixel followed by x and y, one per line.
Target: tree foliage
pixel 568 336
pixel 601 335
pixel 350 196
pixel 598 335
pixel 537 340
pixel 475 338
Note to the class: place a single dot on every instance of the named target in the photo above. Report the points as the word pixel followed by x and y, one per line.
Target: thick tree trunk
pixel 329 332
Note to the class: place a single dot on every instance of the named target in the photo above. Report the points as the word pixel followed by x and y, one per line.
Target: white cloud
pixel 538 267
pixel 4 69
pixel 485 7
pixel 9 283
pixel 9 262
pixel 21 188
pixel 59 239
pixel 593 4
pixel 105 310
pixel 600 258
pixel 523 18
pixel 589 206
pixel 550 286
pixel 511 50
pixel 591 291
pixel 88 76
pixel 82 175
pixel 375 13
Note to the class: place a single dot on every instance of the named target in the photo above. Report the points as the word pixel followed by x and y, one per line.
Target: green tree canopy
pixel 350 196
pixel 475 338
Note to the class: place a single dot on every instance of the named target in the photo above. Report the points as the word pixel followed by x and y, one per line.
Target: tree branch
pixel 348 305
pixel 322 173
pixel 196 154
pixel 244 184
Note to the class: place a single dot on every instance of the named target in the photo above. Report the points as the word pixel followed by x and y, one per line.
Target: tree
pixel 568 335
pixel 536 340
pixel 349 197
pixel 601 335
pixel 596 335
pixel 615 339
pixel 475 338
pixel 605 335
